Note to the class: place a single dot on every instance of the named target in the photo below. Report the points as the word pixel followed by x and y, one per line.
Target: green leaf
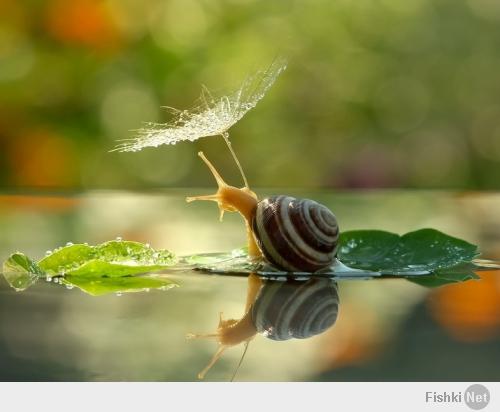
pixel 63 259
pixel 113 259
pixel 105 268
pixel 96 267
pixel 366 249
pixel 421 252
pixel 20 271
pixel 98 286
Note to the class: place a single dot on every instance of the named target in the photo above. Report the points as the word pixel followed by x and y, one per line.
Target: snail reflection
pixel 279 310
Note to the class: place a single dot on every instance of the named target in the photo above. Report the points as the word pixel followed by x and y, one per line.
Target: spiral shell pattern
pixel 296 235
pixel 295 309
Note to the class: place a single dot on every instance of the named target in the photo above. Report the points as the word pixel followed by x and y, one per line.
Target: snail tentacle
pixel 212 362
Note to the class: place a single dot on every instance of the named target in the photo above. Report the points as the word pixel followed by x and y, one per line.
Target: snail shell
pixel 295 309
pixel 296 235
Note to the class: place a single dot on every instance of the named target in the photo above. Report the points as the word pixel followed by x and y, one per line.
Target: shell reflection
pixel 295 309
pixel 279 310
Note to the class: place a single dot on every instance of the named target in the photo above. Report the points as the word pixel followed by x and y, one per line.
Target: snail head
pixel 229 198
pixel 232 199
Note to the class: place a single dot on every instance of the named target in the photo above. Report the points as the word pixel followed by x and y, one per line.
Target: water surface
pixel 384 329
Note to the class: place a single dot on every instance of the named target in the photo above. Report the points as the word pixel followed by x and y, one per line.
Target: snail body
pixel 294 235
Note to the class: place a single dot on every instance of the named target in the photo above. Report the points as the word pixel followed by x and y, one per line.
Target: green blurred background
pixel 378 93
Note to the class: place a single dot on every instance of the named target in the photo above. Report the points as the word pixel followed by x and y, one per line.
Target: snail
pixel 294 235
pixel 279 310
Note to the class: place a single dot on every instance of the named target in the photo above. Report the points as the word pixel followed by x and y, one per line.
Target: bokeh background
pixel 384 93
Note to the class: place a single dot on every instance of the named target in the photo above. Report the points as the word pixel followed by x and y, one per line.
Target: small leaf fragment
pixel 20 271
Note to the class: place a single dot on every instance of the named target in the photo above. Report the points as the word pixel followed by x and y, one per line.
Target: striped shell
pixel 296 235
pixel 295 309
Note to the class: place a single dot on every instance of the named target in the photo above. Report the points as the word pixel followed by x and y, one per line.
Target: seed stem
pixel 225 136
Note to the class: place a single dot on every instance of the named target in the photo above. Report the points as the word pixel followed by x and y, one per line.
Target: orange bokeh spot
pixel 40 158
pixel 353 340
pixel 84 22
pixel 50 203
pixel 13 12
pixel 469 311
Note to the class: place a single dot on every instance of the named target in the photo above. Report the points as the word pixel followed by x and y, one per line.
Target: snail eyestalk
pixel 241 360
pixel 232 199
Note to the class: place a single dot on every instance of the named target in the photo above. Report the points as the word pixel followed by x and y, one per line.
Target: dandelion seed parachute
pixel 214 116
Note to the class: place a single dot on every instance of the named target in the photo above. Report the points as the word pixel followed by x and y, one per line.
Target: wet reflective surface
pixel 378 329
